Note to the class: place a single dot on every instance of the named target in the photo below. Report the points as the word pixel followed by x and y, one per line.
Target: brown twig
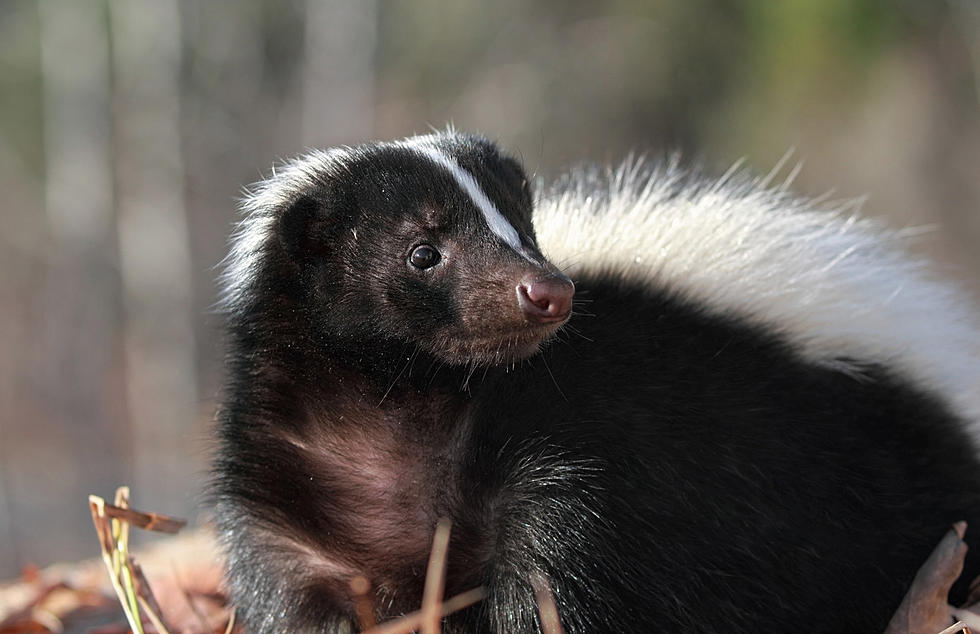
pixel 550 623
pixel 147 600
pixel 413 620
pixel 231 622
pixel 364 606
pixel 145 520
pixel 435 578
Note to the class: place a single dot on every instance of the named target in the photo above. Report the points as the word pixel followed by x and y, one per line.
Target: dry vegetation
pixel 187 596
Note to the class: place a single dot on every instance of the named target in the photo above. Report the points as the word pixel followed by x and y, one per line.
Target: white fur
pixel 832 285
pixel 260 207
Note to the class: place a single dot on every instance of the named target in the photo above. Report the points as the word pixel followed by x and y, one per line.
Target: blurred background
pixel 128 128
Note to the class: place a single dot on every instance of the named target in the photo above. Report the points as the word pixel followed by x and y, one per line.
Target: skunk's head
pixel 426 241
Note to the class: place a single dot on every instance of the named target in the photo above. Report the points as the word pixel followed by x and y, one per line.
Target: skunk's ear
pixel 305 227
pixel 516 177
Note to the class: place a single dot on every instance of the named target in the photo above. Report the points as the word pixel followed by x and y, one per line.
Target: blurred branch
pixel 75 73
pixel 154 248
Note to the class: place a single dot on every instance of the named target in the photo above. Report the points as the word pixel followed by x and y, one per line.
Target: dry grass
pixel 112 523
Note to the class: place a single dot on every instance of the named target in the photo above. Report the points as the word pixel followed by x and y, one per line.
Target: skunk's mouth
pixel 498 348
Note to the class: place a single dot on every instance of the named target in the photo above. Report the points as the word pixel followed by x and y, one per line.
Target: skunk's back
pixel 840 290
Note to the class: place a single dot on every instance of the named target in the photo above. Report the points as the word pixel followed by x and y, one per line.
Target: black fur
pixel 664 469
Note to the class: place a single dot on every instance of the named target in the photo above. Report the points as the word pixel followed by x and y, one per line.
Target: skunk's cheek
pixel 421 305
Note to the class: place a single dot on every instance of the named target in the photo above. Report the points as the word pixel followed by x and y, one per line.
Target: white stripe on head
pixel 494 219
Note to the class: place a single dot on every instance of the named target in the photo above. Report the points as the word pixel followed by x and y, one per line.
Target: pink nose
pixel 546 299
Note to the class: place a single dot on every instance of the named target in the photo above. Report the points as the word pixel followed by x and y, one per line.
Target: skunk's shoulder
pixel 839 289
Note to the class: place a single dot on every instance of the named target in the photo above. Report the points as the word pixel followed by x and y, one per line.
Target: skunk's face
pixel 428 242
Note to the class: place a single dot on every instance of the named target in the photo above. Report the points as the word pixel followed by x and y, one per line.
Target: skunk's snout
pixel 546 299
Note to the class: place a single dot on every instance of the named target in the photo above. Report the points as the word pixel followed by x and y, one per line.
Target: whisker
pixel 578 333
pixel 400 373
pixel 544 359
pixel 414 356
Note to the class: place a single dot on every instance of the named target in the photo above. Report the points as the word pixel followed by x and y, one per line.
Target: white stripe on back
pixel 495 220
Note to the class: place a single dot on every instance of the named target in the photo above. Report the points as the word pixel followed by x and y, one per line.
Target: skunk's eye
pixel 423 257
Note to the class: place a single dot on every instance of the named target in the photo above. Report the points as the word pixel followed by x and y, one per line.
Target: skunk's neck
pixel 383 373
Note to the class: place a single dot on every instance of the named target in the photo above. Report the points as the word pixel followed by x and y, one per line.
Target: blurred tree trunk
pixel 339 72
pixel 63 435
pixel 161 385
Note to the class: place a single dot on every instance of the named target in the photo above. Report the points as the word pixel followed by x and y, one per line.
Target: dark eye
pixel 423 257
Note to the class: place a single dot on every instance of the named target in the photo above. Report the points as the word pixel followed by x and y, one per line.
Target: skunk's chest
pixel 382 477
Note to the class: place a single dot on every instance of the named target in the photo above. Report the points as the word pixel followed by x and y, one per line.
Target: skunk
pixel 686 404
